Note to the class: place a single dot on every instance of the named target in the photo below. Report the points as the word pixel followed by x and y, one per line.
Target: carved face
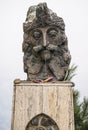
pixel 45 45
pixel 46 52
pixel 45 41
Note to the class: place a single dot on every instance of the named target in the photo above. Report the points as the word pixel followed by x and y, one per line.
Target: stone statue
pixel 45 45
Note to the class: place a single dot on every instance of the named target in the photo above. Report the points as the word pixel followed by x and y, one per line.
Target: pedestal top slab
pixel 19 82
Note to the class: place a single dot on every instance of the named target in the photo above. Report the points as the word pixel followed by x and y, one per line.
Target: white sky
pixel 12 16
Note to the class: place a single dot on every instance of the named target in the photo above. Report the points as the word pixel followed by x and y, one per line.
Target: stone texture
pixel 51 104
pixel 45 45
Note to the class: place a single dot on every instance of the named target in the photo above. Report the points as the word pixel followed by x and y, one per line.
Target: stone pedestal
pixel 43 106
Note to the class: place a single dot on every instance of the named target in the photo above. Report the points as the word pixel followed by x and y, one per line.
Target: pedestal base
pixel 50 100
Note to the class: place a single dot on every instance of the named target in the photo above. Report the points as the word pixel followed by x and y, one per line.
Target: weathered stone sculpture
pixel 45 45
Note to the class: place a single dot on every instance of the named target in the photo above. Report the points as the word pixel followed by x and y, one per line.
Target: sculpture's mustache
pixel 50 47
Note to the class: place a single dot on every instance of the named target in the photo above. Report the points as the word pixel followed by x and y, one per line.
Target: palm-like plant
pixel 70 73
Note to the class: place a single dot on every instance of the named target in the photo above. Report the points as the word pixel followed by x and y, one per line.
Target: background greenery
pixel 80 112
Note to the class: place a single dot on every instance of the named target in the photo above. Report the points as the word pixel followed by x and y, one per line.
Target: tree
pixel 80 109
pixel 80 112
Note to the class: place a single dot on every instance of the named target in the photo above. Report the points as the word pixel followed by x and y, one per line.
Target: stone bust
pixel 45 45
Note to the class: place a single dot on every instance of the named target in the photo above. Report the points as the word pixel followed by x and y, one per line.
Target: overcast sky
pixel 12 16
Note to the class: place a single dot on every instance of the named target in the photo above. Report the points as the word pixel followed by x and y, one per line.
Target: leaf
pixel 70 73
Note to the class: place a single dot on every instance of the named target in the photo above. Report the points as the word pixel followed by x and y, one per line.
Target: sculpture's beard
pixel 45 55
pixel 45 52
pixel 46 61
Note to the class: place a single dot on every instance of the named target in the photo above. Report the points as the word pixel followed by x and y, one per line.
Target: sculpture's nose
pixel 44 40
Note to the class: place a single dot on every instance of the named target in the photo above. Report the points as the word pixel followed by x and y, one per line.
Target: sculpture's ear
pixel 64 41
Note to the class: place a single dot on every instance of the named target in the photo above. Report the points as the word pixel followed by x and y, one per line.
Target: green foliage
pixel 70 73
pixel 80 112
pixel 80 109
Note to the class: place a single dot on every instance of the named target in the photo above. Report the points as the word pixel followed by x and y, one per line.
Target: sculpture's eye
pixel 37 34
pixel 52 33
